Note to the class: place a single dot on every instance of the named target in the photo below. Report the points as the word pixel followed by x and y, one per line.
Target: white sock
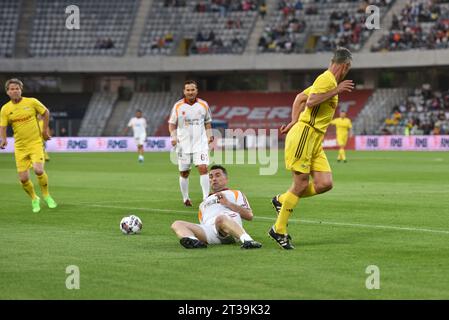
pixel 204 181
pixel 192 237
pixel 184 185
pixel 245 237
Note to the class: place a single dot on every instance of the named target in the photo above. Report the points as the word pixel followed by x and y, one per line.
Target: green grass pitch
pixel 388 209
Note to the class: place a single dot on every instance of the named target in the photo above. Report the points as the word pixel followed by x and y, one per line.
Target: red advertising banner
pixel 260 110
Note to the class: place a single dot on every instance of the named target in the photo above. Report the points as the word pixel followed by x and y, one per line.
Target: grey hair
pixel 342 55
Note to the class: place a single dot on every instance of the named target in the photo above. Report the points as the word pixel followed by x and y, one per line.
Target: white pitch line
pixel 340 224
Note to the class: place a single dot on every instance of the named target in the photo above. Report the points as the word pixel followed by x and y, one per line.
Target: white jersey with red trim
pixel 190 120
pixel 210 208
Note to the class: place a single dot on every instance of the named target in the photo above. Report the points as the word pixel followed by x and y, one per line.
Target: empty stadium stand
pixel 9 19
pixel 104 30
pixel 98 112
pixel 378 106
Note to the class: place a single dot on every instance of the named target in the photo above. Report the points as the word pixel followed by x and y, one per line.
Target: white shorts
pixel 213 236
pixel 185 160
pixel 140 140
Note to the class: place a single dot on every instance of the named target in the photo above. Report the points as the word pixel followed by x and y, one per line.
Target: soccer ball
pixel 131 224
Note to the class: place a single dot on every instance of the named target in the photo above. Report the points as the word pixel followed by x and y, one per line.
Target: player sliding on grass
pixel 21 113
pixel 304 154
pixel 220 216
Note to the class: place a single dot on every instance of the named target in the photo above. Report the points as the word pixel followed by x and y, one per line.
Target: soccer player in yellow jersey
pixel 21 113
pixel 344 130
pixel 304 154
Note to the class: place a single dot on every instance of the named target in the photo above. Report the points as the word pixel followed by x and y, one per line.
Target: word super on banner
pixel 412 143
pixel 100 144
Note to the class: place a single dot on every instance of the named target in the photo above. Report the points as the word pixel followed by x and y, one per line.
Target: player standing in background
pixel 40 119
pixel 21 113
pixel 220 217
pixel 304 154
pixel 344 130
pixel 139 125
pixel 190 127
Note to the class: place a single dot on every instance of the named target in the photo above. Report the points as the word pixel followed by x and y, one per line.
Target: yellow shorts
pixel 304 150
pixel 341 141
pixel 26 157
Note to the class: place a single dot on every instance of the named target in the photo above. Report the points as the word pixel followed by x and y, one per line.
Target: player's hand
pixel 222 199
pixel 46 135
pixel 345 86
pixel 284 129
pixel 3 144
pixel 174 142
pixel 211 139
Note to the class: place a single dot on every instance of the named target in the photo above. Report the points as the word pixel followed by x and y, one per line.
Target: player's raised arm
pixel 316 98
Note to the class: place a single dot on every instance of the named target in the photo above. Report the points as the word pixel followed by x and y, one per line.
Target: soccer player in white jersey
pixel 220 217
pixel 139 126
pixel 191 132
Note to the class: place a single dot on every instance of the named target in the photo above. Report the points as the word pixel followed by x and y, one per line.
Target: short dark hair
pixel 342 55
pixel 138 110
pixel 190 82
pixel 13 81
pixel 218 167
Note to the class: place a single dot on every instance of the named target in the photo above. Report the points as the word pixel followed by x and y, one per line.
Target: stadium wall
pixel 203 63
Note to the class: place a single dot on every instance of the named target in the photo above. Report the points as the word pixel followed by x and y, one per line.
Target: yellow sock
pixel 290 201
pixel 310 191
pixel 343 154
pixel 43 183
pixel 29 189
pixel 282 197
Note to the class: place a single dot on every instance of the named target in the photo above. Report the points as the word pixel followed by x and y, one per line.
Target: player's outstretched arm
pixel 3 140
pixel 316 98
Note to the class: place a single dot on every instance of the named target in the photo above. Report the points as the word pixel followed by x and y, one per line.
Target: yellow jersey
pixel 319 117
pixel 22 116
pixel 343 126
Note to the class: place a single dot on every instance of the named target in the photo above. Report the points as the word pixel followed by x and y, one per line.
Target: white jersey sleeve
pixel 131 122
pixel 173 115
pixel 242 201
pixel 208 116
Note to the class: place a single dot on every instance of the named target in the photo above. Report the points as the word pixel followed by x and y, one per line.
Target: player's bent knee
pixel 176 225
pixel 220 220
pixel 184 174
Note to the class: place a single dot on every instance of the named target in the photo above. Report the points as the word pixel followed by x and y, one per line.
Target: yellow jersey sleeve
pixel 3 118
pixel 307 91
pixel 40 108
pixel 323 84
